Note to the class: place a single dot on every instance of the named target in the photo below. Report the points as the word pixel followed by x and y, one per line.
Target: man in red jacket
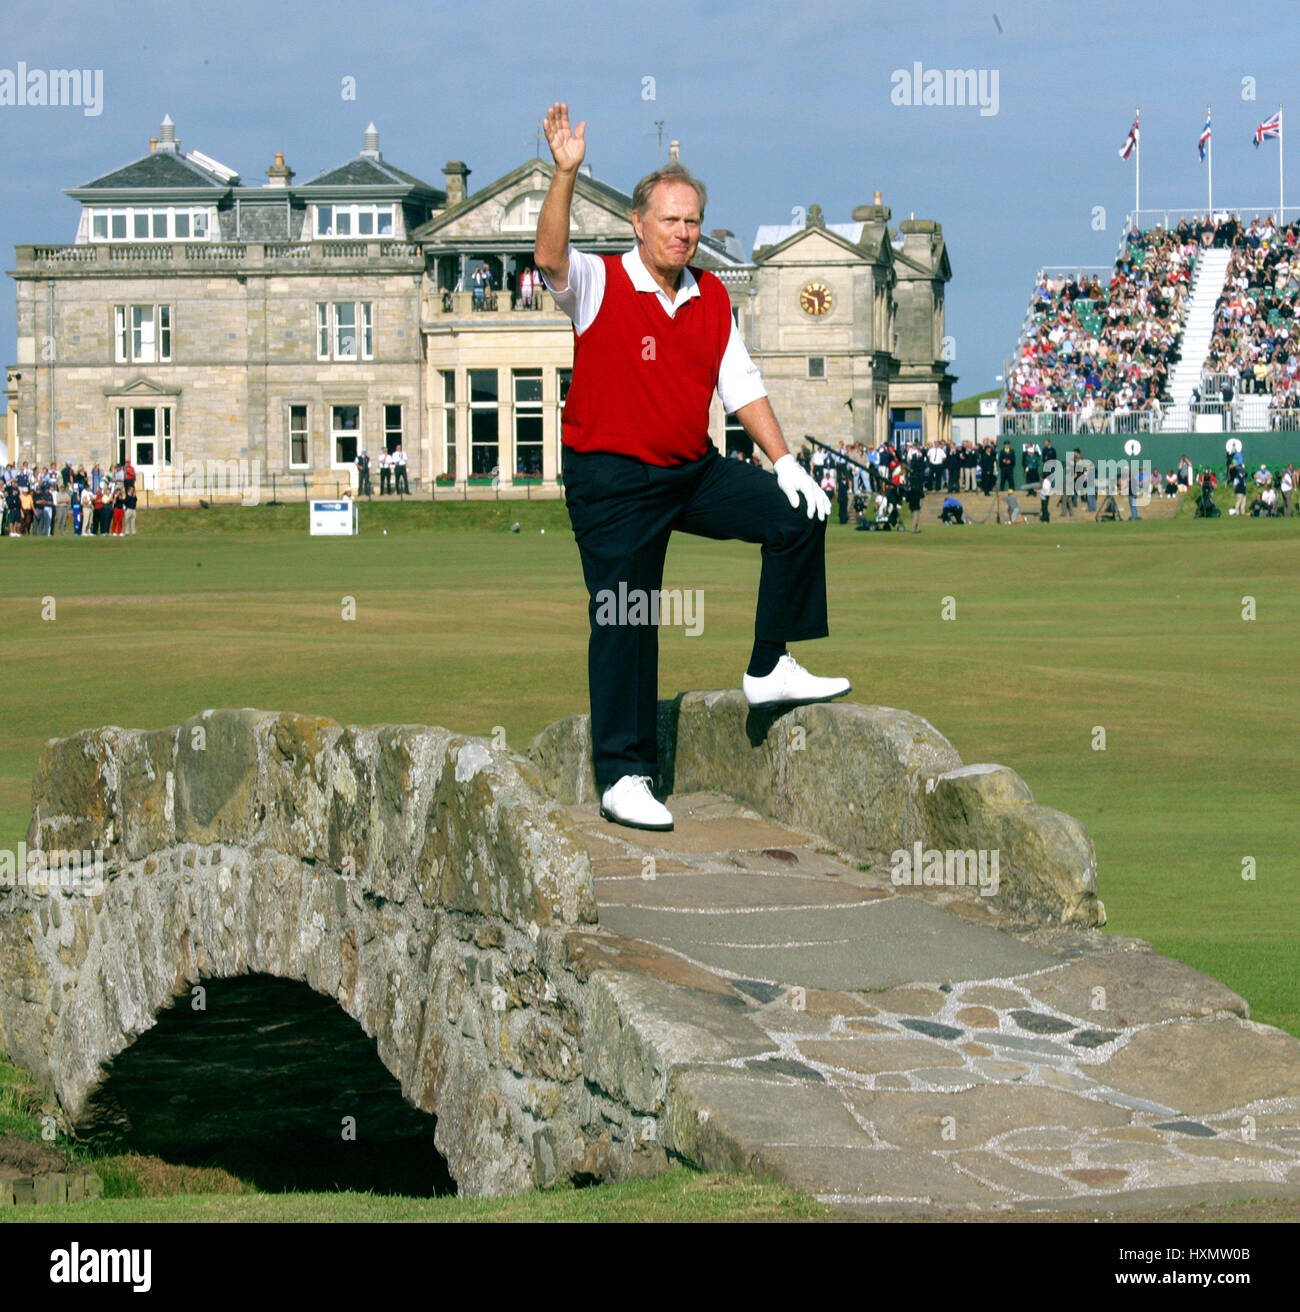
pixel 654 337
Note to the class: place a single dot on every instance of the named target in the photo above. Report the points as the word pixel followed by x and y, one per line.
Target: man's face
pixel 669 230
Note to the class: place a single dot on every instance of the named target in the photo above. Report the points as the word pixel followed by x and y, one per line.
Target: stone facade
pixel 473 389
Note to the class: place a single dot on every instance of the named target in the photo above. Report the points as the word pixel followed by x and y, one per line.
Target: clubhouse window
pixel 345 433
pixel 345 330
pixel 816 366
pixel 449 421
pixel 528 422
pixel 298 439
pixel 563 377
pixel 735 437
pixel 354 220
pixel 142 333
pixel 152 223
pixel 144 435
pixel 392 428
pixel 483 435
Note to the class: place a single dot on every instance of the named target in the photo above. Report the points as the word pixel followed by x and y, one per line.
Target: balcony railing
pixel 1248 415
pixel 464 305
pixel 105 255
pixel 1072 423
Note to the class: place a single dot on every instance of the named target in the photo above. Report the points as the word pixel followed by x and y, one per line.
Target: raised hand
pixel 567 147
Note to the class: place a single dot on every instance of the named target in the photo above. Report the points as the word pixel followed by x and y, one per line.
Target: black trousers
pixel 623 512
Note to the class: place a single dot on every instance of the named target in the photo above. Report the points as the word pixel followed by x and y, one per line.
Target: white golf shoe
pixel 630 802
pixel 791 685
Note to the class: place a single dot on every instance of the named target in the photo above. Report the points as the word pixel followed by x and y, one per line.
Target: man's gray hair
pixel 673 172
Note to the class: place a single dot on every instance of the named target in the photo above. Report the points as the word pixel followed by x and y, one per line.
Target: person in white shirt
pixel 399 466
pixel 654 340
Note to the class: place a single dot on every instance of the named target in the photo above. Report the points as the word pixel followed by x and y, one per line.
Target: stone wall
pixel 420 878
pixel 436 887
pixel 871 779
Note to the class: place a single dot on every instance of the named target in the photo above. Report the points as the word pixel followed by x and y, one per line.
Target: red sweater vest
pixel 642 381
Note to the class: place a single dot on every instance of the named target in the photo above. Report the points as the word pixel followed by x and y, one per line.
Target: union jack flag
pixel 1131 141
pixel 1205 136
pixel 1269 129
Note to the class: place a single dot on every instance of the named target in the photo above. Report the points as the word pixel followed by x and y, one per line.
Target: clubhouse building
pixel 197 320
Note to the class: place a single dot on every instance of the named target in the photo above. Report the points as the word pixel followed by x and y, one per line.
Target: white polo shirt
pixel 739 381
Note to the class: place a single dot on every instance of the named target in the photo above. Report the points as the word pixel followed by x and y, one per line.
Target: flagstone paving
pixel 906 1049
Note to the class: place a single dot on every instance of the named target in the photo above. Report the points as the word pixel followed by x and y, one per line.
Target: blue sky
pixel 776 106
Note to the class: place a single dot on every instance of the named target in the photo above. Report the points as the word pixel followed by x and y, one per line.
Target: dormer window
pixel 150 223
pixel 354 220
pixel 521 214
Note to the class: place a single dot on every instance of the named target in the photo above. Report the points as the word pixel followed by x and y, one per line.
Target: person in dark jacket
pixel 1007 468
pixel 915 492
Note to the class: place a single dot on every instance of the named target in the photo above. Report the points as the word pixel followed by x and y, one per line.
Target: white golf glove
pixel 793 481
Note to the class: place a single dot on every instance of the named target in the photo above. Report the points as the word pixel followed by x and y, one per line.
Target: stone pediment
pixel 142 386
pixel 507 208
pixel 812 245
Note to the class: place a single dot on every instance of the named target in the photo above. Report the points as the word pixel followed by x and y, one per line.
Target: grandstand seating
pixel 1185 307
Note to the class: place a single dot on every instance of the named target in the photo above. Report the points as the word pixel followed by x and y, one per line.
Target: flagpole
pixel 1209 160
pixel 1281 194
pixel 1137 170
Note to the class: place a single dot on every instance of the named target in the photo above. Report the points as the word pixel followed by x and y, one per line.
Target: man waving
pixel 654 337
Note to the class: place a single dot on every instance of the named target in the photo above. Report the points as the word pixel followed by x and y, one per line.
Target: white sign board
pixel 332 517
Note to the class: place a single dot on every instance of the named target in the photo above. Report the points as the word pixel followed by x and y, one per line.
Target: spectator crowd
pixel 1093 347
pixel 1256 340
pixel 43 502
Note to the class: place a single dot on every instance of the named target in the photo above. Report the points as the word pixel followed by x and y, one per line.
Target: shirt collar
pixel 644 282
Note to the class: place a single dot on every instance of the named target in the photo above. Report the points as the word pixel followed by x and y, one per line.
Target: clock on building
pixel 815 298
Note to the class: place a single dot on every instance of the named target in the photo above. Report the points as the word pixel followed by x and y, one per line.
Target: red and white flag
pixel 1131 141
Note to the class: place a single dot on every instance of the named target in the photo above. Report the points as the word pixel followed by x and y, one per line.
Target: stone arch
pixel 272 1082
pixel 420 879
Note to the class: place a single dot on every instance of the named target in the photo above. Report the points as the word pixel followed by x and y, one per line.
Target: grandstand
pixel 1193 329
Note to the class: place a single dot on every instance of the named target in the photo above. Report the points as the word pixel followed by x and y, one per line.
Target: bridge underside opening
pixel 275 1084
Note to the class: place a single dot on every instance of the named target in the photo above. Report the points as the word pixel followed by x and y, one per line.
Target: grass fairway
pixel 1060 630
pixel 678 1195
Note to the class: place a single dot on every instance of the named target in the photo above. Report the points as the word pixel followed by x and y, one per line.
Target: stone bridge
pixel 261 871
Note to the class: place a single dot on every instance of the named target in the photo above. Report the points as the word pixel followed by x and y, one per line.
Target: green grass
pixel 1135 628
pixel 448 513
pixel 677 1195
pixel 20 1102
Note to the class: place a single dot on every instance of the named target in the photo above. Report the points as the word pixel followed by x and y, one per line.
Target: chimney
pixel 153 144
pixel 672 152
pixel 167 138
pixel 457 187
pixel 371 148
pixel 921 237
pixel 279 172
pixel 722 234
pixel 874 218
